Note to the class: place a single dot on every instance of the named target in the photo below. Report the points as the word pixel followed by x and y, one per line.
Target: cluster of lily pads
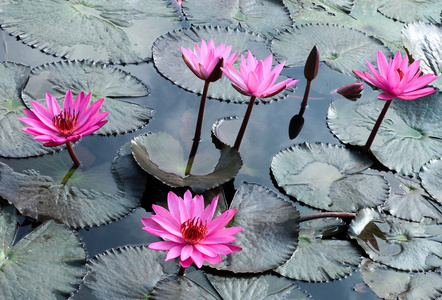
pixel 388 200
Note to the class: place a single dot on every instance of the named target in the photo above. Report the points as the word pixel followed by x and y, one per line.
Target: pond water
pixel 175 112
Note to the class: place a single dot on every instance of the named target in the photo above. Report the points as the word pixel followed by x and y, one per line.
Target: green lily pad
pixel 160 155
pixel 421 10
pixel 169 62
pixel 318 259
pixel 398 243
pixel 431 176
pixel 392 284
pixel 180 287
pixel 102 81
pixel 409 136
pixel 15 142
pixel 127 273
pixel 81 201
pixel 328 177
pixel 412 202
pixel 116 32
pixel 262 16
pixel 342 49
pixel 270 231
pixel 47 263
pixel 424 42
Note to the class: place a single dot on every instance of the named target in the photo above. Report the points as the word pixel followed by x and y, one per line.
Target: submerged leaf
pixel 328 177
pixel 107 31
pixel 398 243
pixel 47 263
pixel 102 81
pixel 318 259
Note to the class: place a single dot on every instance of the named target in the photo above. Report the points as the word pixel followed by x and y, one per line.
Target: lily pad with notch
pixel 328 177
pixel 99 30
pixel 319 259
pixel 77 201
pixel 103 81
pixel 431 176
pixel 409 136
pixel 51 250
pixel 397 243
pixel 162 156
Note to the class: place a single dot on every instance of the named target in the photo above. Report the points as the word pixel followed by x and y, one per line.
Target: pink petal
pixel 173 205
pixel 417 94
pixel 165 214
pixel 212 260
pixel 197 258
pixel 186 252
pixel 206 250
pixel 52 104
pixel 163 245
pixel 221 221
pixel 186 263
pixel 174 252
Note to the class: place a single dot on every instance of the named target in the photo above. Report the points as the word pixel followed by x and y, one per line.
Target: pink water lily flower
pixel 57 126
pixel 398 79
pixel 189 231
pixel 204 61
pixel 256 78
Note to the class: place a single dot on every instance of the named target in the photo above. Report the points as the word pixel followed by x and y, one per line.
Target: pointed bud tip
pixel 312 64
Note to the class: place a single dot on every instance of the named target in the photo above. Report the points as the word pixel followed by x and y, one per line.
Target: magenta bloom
pixel 256 78
pixel 204 60
pixel 398 79
pixel 190 232
pixel 351 91
pixel 57 126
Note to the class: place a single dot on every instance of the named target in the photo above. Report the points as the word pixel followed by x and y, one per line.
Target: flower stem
pixel 244 123
pixel 376 126
pixel 191 156
pixel 306 93
pixel 181 271
pixel 72 154
pixel 327 215
pixel 69 174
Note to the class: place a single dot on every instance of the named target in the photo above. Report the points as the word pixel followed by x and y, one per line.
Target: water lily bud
pixel 351 91
pixel 312 64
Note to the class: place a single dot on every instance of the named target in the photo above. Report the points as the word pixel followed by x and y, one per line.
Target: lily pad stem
pixel 244 123
pixel 327 215
pixel 181 271
pixel 376 126
pixel 72 153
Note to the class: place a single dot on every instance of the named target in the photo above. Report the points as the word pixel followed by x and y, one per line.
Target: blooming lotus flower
pixel 205 61
pixel 398 79
pixel 256 78
pixel 189 231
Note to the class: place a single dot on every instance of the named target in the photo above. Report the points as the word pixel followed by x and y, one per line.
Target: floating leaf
pixel 102 81
pixel 270 230
pixel 341 48
pixel 160 155
pixel 431 175
pixel 412 203
pixel 398 243
pixel 408 11
pixel 260 16
pixel 127 273
pixel 409 136
pixel 318 259
pixel 117 32
pixel 47 263
pixel 180 287
pixel 168 58
pixel 15 142
pixel 424 43
pixel 328 177
pixel 74 204
pixel 392 284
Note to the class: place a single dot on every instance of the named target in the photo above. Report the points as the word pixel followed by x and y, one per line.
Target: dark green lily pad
pixel 47 263
pixel 397 243
pixel 264 216
pixel 160 155
pixel 318 259
pixel 91 197
pixel 392 284
pixel 431 176
pixel 261 16
pixel 409 136
pixel 116 32
pixel 412 203
pixel 408 11
pixel 127 273
pixel 342 49
pixel 103 81
pixel 168 59
pixel 328 177
pixel 15 142
pixel 424 42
